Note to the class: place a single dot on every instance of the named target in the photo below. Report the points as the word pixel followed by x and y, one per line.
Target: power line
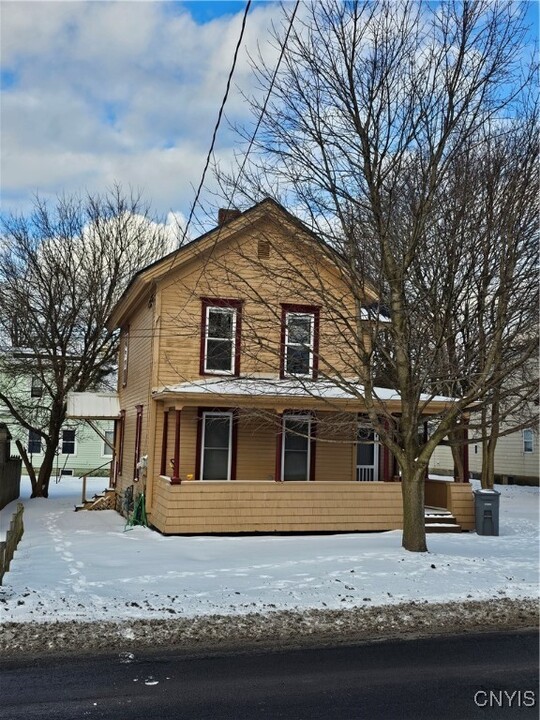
pixel 252 139
pixel 218 121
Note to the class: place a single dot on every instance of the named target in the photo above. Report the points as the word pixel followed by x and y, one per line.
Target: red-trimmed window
pixel 299 341
pixel 221 328
pixel 138 434
pixel 298 447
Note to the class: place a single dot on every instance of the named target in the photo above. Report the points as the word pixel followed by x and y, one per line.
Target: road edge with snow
pixel 279 629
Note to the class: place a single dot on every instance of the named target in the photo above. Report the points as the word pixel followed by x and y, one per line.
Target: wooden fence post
pixel 13 535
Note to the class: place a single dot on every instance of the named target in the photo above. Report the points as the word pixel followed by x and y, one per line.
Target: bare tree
pixel 61 271
pixel 373 116
pixel 492 204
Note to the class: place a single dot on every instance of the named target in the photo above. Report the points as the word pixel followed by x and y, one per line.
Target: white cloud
pixel 117 91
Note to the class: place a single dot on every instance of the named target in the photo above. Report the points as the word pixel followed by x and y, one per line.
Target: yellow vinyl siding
pixel 256 457
pixel 234 272
pixel 137 389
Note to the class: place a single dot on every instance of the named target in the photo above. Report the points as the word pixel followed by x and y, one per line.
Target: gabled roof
pixel 160 268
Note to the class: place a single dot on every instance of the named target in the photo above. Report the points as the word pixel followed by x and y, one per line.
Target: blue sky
pixel 99 92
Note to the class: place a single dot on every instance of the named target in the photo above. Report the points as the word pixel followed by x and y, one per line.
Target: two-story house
pixel 80 450
pixel 230 412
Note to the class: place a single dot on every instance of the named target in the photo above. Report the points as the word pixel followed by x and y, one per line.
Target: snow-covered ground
pixel 87 566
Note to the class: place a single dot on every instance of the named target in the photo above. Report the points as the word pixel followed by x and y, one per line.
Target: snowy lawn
pixel 86 566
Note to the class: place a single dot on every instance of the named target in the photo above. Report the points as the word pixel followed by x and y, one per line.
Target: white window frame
pixel 105 447
pixel 220 309
pixel 75 443
pixel 311 316
pixel 296 418
pixel 527 441
pixel 217 413
pixel 36 387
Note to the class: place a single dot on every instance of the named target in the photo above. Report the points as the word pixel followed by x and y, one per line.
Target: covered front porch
pixel 227 461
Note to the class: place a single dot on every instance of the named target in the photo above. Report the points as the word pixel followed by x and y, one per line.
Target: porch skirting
pixel 202 507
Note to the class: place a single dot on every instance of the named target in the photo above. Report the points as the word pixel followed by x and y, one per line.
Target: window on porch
pixel 296 447
pixel 216 446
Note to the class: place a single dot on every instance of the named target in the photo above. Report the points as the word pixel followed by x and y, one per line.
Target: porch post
pixel 175 480
pixel 163 468
pixel 279 446
pixel 465 450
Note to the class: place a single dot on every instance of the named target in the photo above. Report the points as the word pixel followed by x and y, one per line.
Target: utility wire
pixel 252 139
pixel 218 121
pixel 253 136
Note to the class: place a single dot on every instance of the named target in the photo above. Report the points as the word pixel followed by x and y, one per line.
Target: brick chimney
pixel 226 214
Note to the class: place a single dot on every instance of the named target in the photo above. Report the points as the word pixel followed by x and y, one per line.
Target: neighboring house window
pixel 216 445
pixel 68 442
pixel 107 449
pixel 36 389
pixel 125 356
pixel 528 441
pixel 296 448
pixel 299 340
pixel 34 442
pixel 67 472
pixel 220 337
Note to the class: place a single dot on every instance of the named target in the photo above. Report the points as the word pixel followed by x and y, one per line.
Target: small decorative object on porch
pixel 189 476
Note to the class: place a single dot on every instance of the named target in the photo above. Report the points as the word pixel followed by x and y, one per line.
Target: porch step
pixel 101 501
pixel 440 520
pixel 443 527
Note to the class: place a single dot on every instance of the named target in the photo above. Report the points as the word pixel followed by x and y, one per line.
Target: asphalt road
pixel 491 675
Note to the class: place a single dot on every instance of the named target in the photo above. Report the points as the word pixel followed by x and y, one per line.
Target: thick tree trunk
pixel 489 445
pixel 456 439
pixel 487 478
pixel 42 485
pixel 412 489
pixel 28 465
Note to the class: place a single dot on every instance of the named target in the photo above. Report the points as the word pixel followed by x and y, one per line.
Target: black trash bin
pixel 486 511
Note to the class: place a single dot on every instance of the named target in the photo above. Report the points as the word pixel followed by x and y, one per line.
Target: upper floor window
pixel 34 442
pixel 36 389
pixel 220 336
pixel 299 339
pixel 528 440
pixel 107 449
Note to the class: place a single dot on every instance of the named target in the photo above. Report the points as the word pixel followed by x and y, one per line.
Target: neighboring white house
pixel 517 458
pixel 80 450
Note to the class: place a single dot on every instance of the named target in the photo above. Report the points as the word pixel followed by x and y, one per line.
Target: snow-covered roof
pixel 93 405
pixel 286 388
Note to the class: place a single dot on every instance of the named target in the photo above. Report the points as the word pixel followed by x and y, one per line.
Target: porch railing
pixel 365 473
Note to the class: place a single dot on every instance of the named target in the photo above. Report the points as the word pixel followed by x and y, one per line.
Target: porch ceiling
pixel 286 393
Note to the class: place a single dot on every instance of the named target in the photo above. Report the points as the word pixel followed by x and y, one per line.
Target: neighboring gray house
pixel 517 458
